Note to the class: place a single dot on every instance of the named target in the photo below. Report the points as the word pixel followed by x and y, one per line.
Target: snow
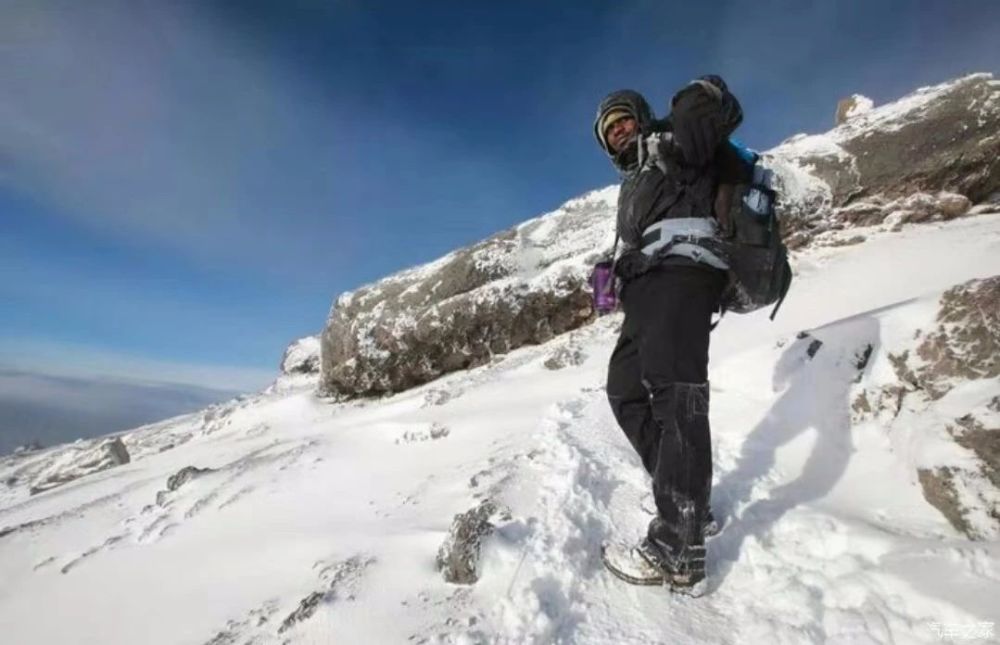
pixel 334 512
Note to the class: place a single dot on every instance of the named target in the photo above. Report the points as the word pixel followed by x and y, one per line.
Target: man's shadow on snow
pixel 816 376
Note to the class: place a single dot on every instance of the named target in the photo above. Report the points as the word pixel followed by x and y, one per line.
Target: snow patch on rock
pixel 302 356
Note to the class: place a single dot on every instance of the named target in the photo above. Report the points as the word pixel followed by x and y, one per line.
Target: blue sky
pixel 186 186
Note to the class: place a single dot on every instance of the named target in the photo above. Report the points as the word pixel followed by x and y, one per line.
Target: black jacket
pixel 658 183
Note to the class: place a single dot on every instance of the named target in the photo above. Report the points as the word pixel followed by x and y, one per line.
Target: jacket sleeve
pixel 703 115
pixel 729 106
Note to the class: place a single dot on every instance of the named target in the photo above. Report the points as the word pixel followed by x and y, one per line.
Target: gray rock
pixel 178 479
pixel 80 462
pixel 962 345
pixel 984 442
pixel 458 557
pixel 307 607
pixel 951 143
pixel 185 475
pixel 302 356
pixel 948 488
pixel 944 138
pixel 966 343
pixel 938 485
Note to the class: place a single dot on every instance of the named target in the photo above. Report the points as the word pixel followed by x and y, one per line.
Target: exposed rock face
pixel 943 138
pixel 458 558
pixel 959 348
pixel 929 156
pixel 964 346
pixel 79 463
pixel 914 208
pixel 964 491
pixel 938 485
pixel 984 441
pixel 302 356
pixel 966 343
pixel 520 287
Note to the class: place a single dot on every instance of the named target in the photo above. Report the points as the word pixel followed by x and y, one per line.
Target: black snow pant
pixel 658 390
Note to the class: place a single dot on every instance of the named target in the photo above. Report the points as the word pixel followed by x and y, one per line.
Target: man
pixel 672 283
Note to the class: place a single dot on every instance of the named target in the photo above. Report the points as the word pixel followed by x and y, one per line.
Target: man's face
pixel 620 132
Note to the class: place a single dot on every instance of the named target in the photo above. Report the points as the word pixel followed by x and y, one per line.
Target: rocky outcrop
pixel 963 346
pixel 76 463
pixel 915 208
pixel 958 350
pixel 851 107
pixel 302 357
pixel 968 493
pixel 942 138
pixel 966 343
pixel 523 286
pixel 458 557
pixel 940 492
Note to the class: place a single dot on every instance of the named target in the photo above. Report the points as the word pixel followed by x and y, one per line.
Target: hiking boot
pixel 683 568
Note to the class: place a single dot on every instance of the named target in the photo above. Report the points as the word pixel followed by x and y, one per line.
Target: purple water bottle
pixel 602 281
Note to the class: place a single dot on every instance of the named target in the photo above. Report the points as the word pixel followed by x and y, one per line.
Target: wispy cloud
pixel 74 361
pixel 146 120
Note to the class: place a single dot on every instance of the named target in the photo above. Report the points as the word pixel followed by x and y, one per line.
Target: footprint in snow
pixel 435 431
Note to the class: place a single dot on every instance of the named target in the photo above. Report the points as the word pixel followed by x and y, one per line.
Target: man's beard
pixel 628 156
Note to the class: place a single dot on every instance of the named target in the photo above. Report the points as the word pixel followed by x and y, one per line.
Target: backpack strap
pixel 785 284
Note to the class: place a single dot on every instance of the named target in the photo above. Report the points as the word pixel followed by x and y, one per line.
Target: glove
pixel 630 265
pixel 698 122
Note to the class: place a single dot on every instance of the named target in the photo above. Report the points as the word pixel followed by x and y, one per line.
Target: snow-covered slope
pixel 285 517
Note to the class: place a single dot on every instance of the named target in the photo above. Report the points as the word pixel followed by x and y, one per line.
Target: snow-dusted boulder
pixel 301 357
pixel 520 287
pixel 178 479
pixel 76 463
pixel 458 557
pixel 941 138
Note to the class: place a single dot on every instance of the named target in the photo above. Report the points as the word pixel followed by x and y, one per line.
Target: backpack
pixel 759 273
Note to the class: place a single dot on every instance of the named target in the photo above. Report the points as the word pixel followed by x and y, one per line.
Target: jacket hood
pixel 634 103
